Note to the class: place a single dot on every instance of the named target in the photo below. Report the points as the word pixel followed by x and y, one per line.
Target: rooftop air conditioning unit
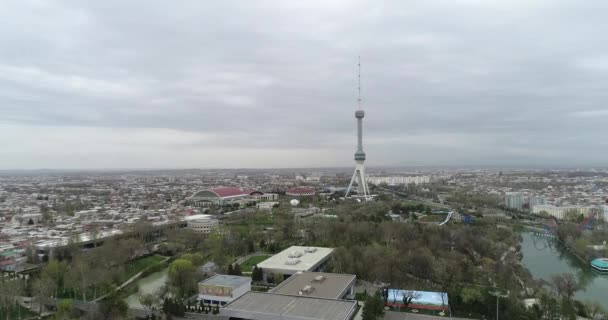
pixel 295 254
pixel 319 279
pixel 306 290
pixel 292 261
pixel 310 249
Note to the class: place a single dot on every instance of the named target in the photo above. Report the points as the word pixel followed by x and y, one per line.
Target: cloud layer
pixel 115 84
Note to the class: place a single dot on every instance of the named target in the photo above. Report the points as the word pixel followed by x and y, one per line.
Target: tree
pixel 113 307
pixel 565 285
pixel 374 307
pixel 32 255
pixel 42 289
pixel 197 259
pixel 80 276
pixel 10 291
pixel 237 270
pixel 257 274
pixel 65 308
pixel 230 270
pixel 181 276
pixel 56 270
pixel 148 300
pixel 471 295
pixel 593 308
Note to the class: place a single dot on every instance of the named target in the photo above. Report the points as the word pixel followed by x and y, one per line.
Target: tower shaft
pixel 360 134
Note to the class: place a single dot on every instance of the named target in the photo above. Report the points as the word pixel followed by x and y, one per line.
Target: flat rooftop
pixel 268 306
pixel 307 258
pixel 223 280
pixel 324 285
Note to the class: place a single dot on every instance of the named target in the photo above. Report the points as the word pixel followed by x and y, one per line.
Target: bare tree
pixel 10 292
pixel 565 285
pixel 594 308
pixel 148 301
pixel 42 290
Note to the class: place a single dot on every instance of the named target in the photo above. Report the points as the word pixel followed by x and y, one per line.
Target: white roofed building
pixel 295 259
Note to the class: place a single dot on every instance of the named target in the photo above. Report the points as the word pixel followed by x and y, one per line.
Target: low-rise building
pixel 222 289
pixel 295 259
pixel 266 205
pixel 261 197
pixel 319 285
pixel 269 306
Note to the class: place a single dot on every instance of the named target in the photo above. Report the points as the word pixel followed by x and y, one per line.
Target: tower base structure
pixel 359 177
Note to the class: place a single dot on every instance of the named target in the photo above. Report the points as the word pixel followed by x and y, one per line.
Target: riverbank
pixel 545 257
pixel 148 284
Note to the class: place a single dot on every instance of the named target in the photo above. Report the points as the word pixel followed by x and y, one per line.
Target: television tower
pixel 359 174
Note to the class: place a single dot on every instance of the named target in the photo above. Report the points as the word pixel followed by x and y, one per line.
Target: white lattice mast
pixel 359 174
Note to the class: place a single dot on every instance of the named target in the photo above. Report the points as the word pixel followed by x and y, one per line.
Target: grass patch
pixel 141 264
pixel 433 218
pixel 16 313
pixel 248 264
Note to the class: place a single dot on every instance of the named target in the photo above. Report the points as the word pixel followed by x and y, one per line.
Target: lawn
pixel 248 264
pixel 141 264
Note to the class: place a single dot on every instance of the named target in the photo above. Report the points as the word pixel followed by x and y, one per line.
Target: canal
pixel 545 257
pixel 149 284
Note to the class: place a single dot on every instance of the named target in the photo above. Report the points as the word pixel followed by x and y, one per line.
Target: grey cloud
pixel 444 82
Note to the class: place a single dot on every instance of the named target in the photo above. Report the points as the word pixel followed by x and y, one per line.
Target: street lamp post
pixel 498 295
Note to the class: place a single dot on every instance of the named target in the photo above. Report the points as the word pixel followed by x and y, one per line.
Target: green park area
pixel 141 264
pixel 248 264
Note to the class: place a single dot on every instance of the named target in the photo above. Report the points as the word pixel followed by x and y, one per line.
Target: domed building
pixel 225 195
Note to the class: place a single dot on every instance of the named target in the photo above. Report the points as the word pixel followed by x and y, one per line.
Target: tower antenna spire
pixel 359 83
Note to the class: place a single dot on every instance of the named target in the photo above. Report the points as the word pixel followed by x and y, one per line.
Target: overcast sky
pixel 199 84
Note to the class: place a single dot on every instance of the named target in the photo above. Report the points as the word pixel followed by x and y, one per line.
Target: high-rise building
pixel 514 200
pixel 536 201
pixel 359 174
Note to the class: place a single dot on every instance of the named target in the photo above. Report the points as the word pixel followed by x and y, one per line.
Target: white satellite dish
pixel 294 202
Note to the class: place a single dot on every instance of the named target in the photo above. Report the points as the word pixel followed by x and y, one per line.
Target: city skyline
pixel 230 85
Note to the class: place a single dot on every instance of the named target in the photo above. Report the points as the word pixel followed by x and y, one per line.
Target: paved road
pixel 391 315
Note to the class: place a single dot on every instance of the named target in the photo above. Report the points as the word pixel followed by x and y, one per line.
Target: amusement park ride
pixel 550 231
pixel 551 225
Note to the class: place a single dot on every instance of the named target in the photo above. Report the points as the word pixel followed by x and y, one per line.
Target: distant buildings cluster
pixel 538 205
pixel 398 180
